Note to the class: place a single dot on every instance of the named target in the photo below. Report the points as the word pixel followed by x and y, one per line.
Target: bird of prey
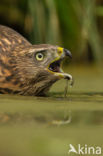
pixel 28 69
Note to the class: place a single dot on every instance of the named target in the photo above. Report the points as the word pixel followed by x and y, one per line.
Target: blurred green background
pixel 74 24
pixel 35 126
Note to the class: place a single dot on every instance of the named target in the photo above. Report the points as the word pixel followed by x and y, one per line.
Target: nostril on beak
pixel 67 53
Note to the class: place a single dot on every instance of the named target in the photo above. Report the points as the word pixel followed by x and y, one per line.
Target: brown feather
pixel 18 73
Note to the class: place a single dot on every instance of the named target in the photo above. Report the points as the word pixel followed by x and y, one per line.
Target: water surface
pixel 45 126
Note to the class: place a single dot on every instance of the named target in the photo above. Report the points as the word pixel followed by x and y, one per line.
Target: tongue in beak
pixel 55 68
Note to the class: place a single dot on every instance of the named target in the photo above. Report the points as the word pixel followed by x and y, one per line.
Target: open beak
pixel 55 66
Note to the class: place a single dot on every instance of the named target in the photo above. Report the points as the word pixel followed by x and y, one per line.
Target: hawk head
pixel 28 69
pixel 31 69
pixel 38 67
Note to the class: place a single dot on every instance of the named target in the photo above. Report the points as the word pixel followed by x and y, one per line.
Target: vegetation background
pixel 45 126
pixel 74 24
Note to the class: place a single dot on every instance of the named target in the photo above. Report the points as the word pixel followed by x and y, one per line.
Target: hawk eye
pixel 39 56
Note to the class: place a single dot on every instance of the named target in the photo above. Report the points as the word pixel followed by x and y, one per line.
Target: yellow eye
pixel 39 56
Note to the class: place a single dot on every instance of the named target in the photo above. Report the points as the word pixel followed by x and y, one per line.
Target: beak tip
pixel 68 53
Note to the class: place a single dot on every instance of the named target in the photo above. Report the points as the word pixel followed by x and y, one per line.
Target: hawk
pixel 28 69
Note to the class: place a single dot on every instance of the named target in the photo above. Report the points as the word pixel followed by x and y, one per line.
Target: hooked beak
pixel 55 66
pixel 67 53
